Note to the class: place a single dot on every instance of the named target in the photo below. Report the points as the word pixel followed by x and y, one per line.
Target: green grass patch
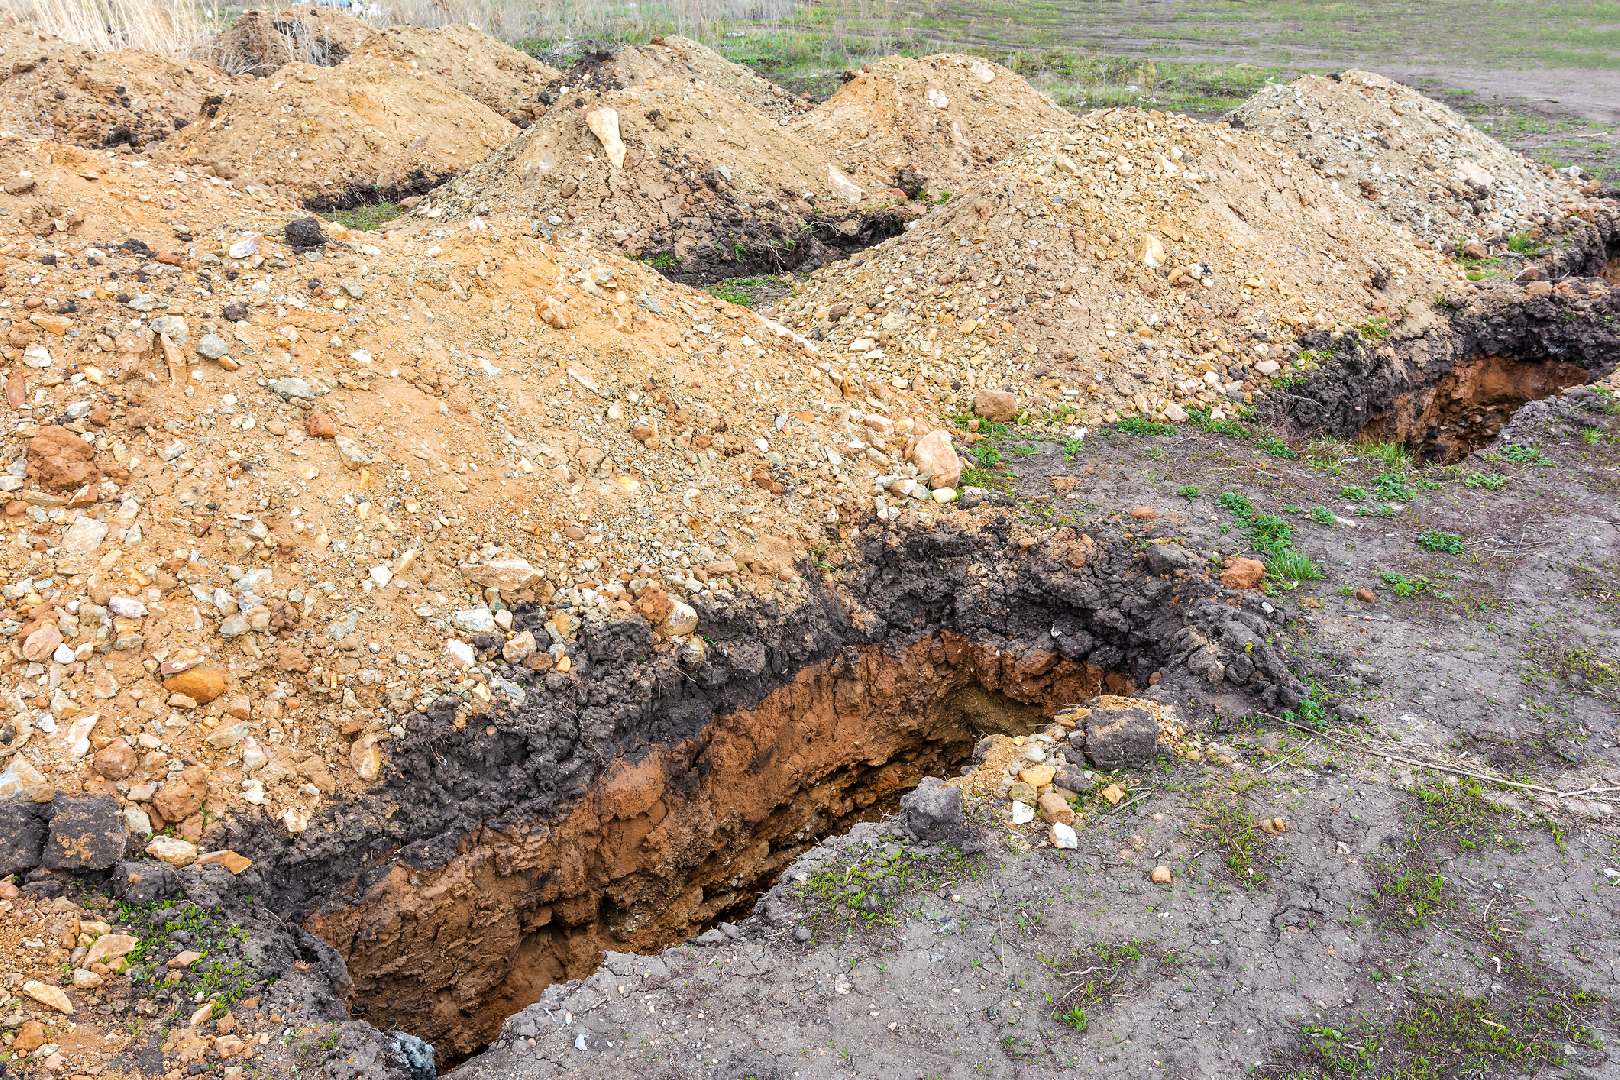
pixel 877 890
pixel 1435 540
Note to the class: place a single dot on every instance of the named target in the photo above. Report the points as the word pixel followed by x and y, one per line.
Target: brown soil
pixel 1471 403
pixel 315 133
pixel 1408 156
pixel 942 118
pixel 488 71
pixel 662 847
pixel 54 90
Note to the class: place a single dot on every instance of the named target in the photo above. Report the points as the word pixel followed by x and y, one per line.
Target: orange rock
pixel 321 426
pixel 61 461
pixel 200 684
pixel 1113 793
pixel 227 858
pixel 1161 875
pixel 30 1037
pixel 1145 513
pixel 1366 596
pixel 1243 574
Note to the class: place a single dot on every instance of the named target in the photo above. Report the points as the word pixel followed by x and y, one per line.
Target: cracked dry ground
pixel 1339 906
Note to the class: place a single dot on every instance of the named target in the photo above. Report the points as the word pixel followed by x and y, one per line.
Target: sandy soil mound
pixel 707 186
pixel 1133 264
pixel 260 43
pixel 486 70
pixel 932 123
pixel 320 133
pixel 1416 161
pixel 679 56
pixel 51 89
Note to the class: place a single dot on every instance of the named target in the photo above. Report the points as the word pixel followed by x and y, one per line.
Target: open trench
pixel 645 795
pixel 1445 386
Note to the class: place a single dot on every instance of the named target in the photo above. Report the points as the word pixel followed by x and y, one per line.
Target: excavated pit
pixel 648 793
pixel 1446 386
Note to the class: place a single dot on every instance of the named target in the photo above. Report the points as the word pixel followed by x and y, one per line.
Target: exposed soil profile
pixel 643 797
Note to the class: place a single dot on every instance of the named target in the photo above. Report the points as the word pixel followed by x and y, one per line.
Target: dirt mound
pixel 929 124
pixel 260 43
pixel 54 90
pixel 327 136
pixel 679 56
pixel 707 186
pixel 483 68
pixel 1131 265
pixel 1414 160
pixel 478 411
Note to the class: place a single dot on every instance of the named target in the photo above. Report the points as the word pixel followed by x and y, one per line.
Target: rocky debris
pixel 930 124
pixel 1161 875
pixel 1108 311
pixel 52 997
pixel 1417 162
pixel 683 172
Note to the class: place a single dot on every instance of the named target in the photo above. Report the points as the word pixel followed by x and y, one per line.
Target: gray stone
pixel 87 833
pixel 1120 738
pixel 932 812
pixel 233 626
pixel 142 302
pixel 293 387
pixel 213 346
pixel 172 325
pixel 351 452
pixel 1073 778
pixel 1168 558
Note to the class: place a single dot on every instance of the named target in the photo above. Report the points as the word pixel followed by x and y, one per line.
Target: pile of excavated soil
pixel 678 56
pixel 931 124
pixel 1131 265
pixel 707 187
pixel 260 43
pixel 55 90
pixel 488 71
pixel 264 544
pixel 319 133
pixel 1413 159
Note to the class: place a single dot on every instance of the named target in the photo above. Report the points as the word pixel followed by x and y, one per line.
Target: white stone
pixel 126 607
pixel 84 535
pixel 842 185
pixel 381 575
pixel 479 620
pixel 937 99
pixel 295 819
pixel 460 652
pixel 1268 368
pixel 253 791
pixel 253 756
pixel 682 619
pixel 1064 837
pixel 172 850
pixel 1022 813
pixel 604 124
pixel 137 821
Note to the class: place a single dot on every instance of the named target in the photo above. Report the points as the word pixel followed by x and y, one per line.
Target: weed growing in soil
pixel 869 893
pixel 1485 481
pixel 223 973
pixel 1272 537
pixel 369 218
pixel 1137 425
pixel 1226 826
pixel 1435 540
pixel 1110 970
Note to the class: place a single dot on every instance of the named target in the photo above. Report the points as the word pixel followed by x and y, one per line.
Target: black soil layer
pixel 1448 388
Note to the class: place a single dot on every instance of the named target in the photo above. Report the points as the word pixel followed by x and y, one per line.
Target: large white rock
pixel 604 124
